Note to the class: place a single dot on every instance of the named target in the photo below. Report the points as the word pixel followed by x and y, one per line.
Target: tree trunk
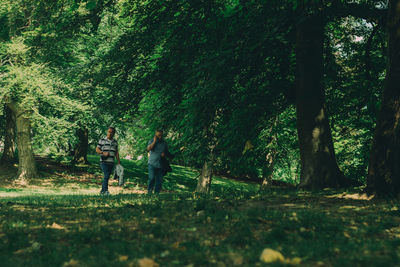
pixel 384 165
pixel 319 168
pixel 80 155
pixel 268 169
pixel 8 157
pixel 204 183
pixel 27 165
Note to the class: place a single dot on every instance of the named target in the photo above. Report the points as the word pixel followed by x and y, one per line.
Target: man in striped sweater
pixel 108 150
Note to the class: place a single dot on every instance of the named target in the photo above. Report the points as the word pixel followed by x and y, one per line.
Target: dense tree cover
pixel 266 90
pixel 37 55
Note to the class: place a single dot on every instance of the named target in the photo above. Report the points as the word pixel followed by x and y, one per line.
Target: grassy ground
pixel 59 220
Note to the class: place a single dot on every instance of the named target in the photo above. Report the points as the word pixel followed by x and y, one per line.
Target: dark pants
pixel 155 177
pixel 107 169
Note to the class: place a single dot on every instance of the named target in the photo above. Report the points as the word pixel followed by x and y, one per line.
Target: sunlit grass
pixel 61 220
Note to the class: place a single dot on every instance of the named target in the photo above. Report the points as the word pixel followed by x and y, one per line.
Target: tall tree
pixel 27 166
pixel 81 149
pixel 384 167
pixel 8 156
pixel 319 168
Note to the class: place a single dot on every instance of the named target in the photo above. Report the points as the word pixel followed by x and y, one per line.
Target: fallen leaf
pixel 175 244
pixel 269 255
pixel 71 263
pixel 207 243
pixel 237 259
pixel 20 251
pixel 294 261
pixel 123 258
pixel 56 226
pixel 146 262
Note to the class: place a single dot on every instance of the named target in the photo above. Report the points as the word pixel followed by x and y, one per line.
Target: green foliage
pixel 37 89
pixel 354 83
pixel 206 81
pixel 217 76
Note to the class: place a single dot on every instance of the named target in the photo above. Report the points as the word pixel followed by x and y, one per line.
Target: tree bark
pixel 27 165
pixel 319 168
pixel 80 155
pixel 384 165
pixel 204 182
pixel 268 169
pixel 8 157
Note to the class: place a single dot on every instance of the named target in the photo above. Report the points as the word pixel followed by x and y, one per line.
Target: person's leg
pixel 158 177
pixel 107 168
pixel 150 183
pixel 104 170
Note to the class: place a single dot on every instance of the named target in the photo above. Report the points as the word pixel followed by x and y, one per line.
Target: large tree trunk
pixel 319 167
pixel 27 165
pixel 204 182
pixel 8 157
pixel 384 165
pixel 80 155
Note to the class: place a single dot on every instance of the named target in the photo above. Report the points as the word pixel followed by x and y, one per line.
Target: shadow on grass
pixel 178 229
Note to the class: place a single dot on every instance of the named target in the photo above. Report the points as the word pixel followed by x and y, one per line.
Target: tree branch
pixel 340 9
pixel 367 52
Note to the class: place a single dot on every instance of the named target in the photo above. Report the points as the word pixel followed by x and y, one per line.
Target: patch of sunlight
pixel 393 232
pixel 289 205
pixel 348 207
pixel 181 186
pixel 293 205
pixel 355 196
pixel 218 181
pixel 321 115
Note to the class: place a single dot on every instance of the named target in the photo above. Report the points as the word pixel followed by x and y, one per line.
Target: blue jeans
pixel 155 177
pixel 106 168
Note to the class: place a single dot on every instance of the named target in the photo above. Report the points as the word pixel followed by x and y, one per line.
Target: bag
pixel 119 174
pixel 166 167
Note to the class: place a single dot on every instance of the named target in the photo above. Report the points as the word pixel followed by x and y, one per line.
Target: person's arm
pixel 151 146
pixel 100 152
pixel 119 161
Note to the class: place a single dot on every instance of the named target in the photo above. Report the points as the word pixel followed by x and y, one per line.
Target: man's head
pixel 110 133
pixel 159 134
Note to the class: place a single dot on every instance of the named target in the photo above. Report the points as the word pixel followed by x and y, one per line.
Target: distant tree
pixel 8 156
pixel 30 52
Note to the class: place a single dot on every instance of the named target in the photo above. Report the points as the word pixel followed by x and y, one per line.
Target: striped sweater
pixel 107 145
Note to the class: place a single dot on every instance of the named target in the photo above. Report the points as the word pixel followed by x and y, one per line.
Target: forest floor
pixel 60 220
